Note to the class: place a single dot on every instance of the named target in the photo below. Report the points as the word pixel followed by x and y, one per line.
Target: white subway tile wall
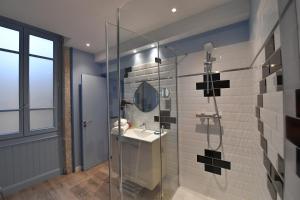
pixel 241 140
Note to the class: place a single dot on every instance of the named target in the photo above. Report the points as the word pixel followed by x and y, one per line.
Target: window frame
pixel 24 108
pixel 16 27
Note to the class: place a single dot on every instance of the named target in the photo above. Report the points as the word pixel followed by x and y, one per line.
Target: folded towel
pixel 123 122
pixel 115 130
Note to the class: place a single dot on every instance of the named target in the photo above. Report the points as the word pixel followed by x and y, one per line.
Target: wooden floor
pixel 90 185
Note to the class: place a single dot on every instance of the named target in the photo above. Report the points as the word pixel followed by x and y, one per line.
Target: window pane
pixel 9 39
pixel 41 119
pixel 40 46
pixel 9 122
pixel 9 80
pixel 40 83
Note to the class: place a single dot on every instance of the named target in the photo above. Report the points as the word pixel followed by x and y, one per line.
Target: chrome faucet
pixel 143 125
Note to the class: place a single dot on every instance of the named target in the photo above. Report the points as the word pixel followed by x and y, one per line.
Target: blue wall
pixel 82 63
pixel 231 34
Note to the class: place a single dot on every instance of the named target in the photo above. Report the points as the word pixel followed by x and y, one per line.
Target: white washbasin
pixel 142 135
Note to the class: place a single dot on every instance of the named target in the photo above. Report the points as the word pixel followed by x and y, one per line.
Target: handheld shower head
pixel 208 47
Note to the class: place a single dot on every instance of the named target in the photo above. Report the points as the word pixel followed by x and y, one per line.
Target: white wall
pixel 241 141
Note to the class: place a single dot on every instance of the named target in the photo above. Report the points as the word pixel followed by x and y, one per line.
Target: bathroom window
pixel 29 67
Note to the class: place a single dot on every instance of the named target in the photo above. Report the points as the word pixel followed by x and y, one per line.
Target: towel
pixel 115 130
pixel 123 122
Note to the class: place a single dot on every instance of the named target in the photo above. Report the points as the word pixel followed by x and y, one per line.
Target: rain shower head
pixel 208 47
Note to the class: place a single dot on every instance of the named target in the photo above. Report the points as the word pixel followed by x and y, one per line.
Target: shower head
pixel 208 47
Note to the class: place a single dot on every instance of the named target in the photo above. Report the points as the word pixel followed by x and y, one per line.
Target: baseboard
pixel 31 181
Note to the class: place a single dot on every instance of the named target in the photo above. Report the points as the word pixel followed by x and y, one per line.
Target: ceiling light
pixel 152 45
pixel 88 44
pixel 174 10
pixel 134 51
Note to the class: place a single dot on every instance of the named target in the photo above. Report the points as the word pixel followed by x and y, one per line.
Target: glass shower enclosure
pixel 142 117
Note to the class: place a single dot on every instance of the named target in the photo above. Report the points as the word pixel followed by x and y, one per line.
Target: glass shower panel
pixel 168 121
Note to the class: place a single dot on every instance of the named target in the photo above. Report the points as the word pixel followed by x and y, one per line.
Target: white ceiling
pixel 82 21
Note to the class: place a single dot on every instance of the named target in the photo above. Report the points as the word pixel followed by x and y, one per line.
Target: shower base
pixel 183 193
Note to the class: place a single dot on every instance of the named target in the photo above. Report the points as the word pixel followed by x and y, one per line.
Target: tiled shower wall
pixel 241 140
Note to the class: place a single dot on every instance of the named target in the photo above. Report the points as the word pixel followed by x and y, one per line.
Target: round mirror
pixel 146 97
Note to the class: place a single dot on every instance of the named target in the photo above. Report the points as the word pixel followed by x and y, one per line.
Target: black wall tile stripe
pixel 260 127
pixel 221 164
pixel 257 112
pixel 210 93
pixel 264 144
pixel 265 71
pixel 165 113
pixel 298 162
pixel 216 84
pixel 212 169
pixel 298 103
pixel 293 130
pixel 215 77
pixel 260 100
pixel 271 189
pixel 212 154
pixel 204 159
pixel 275 61
pixel 280 163
pixel 270 47
pixel 263 86
pixel 267 163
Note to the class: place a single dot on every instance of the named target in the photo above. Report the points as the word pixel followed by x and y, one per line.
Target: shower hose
pixel 217 115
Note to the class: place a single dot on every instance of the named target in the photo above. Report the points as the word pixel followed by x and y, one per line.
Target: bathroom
pixel 148 100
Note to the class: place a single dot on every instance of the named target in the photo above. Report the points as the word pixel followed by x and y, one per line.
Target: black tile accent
pixel 221 163
pixel 275 61
pixel 260 126
pixel 165 113
pixel 212 169
pixel 210 93
pixel 270 47
pixel 298 103
pixel 127 70
pixel 204 159
pixel 264 144
pixel 277 182
pixel 172 120
pixel 212 154
pixel 263 86
pixel 168 103
pixel 298 162
pixel 293 130
pixel 215 77
pixel 222 84
pixel 267 163
pixel 257 112
pixel 158 60
pixel 164 119
pixel 271 189
pixel 216 84
pixel 280 164
pixel 265 70
pixel 260 100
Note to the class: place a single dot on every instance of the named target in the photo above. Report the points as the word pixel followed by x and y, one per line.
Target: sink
pixel 142 135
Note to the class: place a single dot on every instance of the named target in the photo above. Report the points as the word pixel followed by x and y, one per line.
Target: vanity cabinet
pixel 141 161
